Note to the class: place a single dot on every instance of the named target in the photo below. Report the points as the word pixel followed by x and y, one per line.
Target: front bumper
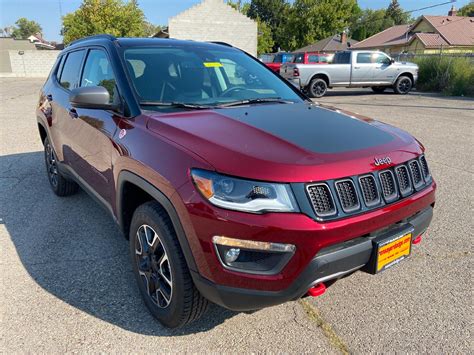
pixel 329 263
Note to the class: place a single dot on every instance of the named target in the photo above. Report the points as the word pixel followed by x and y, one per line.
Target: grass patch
pixel 314 315
pixel 448 75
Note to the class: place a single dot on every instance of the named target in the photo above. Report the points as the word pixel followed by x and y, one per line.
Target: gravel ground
pixel 67 286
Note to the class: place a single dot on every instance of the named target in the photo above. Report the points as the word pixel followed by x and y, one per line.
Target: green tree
pixel 467 10
pixel 150 29
pixel 313 20
pixel 369 23
pixel 25 28
pixel 265 38
pixel 115 17
pixel 275 14
pixel 396 13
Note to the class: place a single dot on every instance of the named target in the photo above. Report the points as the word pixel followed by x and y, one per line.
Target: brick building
pixel 214 20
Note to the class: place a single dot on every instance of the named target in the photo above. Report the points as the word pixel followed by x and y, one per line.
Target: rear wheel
pixel 61 185
pixel 378 89
pixel 317 88
pixel 160 268
pixel 403 85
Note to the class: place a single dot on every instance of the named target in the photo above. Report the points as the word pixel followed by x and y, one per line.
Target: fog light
pixel 252 256
pixel 231 255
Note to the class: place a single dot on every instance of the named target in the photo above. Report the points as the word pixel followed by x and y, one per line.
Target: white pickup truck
pixel 352 69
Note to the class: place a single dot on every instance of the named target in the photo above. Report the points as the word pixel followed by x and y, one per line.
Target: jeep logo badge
pixel 382 161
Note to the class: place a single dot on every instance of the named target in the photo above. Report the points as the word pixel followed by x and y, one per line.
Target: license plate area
pixel 389 250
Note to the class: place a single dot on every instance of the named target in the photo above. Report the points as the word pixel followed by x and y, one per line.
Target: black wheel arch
pixel 408 74
pixel 320 76
pixel 42 132
pixel 124 217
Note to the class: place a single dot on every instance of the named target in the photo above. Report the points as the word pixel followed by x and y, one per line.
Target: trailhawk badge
pixel 382 161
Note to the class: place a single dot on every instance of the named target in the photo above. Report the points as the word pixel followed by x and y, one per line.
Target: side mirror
pixel 92 97
pixel 392 60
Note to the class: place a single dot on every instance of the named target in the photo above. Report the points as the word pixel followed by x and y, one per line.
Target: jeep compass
pixel 230 185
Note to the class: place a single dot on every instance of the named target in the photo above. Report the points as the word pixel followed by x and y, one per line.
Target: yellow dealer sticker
pixel 212 64
pixel 393 252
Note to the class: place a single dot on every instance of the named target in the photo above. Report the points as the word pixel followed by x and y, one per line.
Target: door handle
pixel 356 67
pixel 49 97
pixel 73 113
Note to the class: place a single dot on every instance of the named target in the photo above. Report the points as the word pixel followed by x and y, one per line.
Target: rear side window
pixel 364 58
pixel 299 58
pixel 98 72
pixel 71 70
pixel 342 58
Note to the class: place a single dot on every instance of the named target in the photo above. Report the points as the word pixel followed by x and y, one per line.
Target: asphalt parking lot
pixel 67 286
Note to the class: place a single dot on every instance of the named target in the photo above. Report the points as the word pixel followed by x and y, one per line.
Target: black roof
pixel 143 42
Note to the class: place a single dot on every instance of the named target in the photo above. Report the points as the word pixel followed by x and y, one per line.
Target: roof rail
pixel 101 36
pixel 222 43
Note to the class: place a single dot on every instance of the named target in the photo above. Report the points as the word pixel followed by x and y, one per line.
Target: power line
pixel 431 6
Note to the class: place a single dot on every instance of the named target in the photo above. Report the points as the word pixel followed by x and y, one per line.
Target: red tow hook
pixel 417 240
pixel 317 290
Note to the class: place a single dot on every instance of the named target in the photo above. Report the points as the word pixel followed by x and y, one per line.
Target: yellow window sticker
pixel 212 64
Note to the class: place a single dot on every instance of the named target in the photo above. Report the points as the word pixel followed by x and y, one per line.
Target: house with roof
pixel 213 20
pixel 332 44
pixel 429 34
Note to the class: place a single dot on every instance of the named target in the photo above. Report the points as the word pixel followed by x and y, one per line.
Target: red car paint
pixel 162 148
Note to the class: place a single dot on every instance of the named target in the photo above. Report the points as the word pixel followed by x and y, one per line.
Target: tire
pixel 160 268
pixel 403 85
pixel 60 185
pixel 378 89
pixel 317 88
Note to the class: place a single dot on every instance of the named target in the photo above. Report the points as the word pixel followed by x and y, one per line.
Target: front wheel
pixel 403 85
pixel 317 88
pixel 61 185
pixel 160 268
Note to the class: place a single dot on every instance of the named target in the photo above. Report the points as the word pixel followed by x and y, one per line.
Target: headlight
pixel 244 195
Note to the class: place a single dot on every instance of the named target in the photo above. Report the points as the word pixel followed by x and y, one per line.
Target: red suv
pixel 231 186
pixel 311 58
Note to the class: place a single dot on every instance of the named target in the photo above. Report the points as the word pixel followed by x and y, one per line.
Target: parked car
pixel 311 58
pixel 266 58
pixel 278 60
pixel 353 69
pixel 230 185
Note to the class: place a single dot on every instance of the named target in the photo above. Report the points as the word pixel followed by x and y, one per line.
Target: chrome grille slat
pixel 370 193
pixel 347 195
pixel 387 182
pixel 321 199
pixel 424 168
pixel 416 174
pixel 403 178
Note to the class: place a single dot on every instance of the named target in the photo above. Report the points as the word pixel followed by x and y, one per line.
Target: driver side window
pixel 98 72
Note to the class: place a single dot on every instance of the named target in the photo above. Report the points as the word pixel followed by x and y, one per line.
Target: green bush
pixel 449 75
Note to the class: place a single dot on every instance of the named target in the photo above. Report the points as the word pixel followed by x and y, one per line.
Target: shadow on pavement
pixel 73 250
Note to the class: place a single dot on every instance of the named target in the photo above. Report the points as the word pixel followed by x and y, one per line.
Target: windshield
pixel 202 76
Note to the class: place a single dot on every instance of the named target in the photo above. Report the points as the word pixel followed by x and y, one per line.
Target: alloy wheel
pixel 319 88
pixel 153 266
pixel 404 85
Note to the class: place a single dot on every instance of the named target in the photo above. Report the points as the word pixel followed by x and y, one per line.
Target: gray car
pixel 353 69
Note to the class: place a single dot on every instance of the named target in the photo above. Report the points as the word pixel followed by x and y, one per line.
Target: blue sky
pixel 47 12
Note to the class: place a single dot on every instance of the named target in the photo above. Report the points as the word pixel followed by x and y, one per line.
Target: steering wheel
pixel 232 89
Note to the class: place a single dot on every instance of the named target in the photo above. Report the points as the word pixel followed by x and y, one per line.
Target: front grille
pixel 416 174
pixel 403 178
pixel 332 199
pixel 369 190
pixel 387 181
pixel 347 195
pixel 321 199
pixel 424 168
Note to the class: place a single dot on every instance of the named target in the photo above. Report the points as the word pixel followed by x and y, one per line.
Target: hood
pixel 285 142
pixel 407 64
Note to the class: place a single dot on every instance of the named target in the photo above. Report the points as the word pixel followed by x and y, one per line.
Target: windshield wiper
pixel 175 104
pixel 255 101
